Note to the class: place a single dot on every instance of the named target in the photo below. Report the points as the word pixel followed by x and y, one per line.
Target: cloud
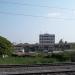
pixel 54 14
pixel 73 13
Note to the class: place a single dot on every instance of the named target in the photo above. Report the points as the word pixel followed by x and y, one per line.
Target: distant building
pixel 47 41
pixel 31 47
pixel 26 47
pixel 18 49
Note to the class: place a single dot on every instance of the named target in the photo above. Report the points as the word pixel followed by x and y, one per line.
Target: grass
pixel 26 60
pixel 38 59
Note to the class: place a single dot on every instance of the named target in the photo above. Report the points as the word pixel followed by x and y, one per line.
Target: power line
pixel 17 14
pixel 26 4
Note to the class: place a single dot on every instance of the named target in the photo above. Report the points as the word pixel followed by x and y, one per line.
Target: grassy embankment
pixel 37 59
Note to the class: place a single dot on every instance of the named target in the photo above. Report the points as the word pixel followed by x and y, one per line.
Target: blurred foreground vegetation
pixel 41 58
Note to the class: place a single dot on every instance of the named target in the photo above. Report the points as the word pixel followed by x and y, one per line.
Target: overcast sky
pixel 24 20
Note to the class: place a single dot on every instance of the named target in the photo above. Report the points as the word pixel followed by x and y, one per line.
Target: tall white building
pixel 47 41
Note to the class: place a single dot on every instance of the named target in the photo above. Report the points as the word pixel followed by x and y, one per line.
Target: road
pixel 39 69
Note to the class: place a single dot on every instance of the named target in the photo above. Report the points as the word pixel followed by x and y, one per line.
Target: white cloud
pixel 73 13
pixel 54 14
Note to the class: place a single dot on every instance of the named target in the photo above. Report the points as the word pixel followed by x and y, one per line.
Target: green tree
pixel 61 45
pixel 5 46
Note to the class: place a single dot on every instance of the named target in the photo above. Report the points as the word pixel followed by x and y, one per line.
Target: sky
pixel 22 21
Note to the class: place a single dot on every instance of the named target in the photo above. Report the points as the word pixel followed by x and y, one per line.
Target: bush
pixel 60 57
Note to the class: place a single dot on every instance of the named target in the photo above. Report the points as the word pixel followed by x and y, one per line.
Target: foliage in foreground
pixel 38 59
pixel 5 46
pixel 26 60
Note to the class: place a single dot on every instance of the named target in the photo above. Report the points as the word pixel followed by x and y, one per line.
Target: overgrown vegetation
pixel 37 59
pixel 5 46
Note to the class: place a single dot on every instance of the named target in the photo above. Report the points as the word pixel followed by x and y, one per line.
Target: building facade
pixel 47 41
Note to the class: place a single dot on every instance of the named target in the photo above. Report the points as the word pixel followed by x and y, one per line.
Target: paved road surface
pixel 40 69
